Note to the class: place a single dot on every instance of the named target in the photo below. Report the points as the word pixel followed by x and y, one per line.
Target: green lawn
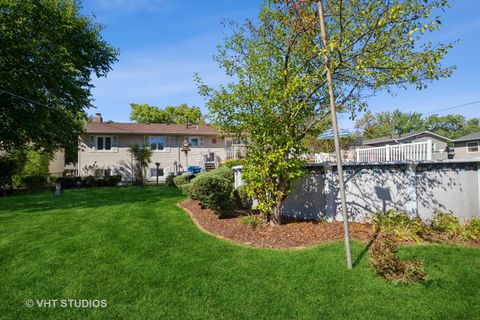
pixel 136 249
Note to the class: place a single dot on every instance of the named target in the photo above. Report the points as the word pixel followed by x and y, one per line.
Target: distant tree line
pixel 381 124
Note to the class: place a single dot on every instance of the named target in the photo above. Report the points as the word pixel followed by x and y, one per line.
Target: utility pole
pixel 333 112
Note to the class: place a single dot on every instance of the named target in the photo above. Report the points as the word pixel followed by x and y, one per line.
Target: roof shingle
pixel 149 128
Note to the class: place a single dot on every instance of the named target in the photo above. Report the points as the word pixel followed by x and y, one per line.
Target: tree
pixel 390 123
pixel 141 156
pixel 272 103
pixel 145 113
pixel 396 122
pixel 48 53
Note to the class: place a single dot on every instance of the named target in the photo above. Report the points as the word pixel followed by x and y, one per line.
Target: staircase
pixel 209 166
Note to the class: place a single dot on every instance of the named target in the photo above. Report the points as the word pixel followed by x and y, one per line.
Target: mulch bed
pixel 291 234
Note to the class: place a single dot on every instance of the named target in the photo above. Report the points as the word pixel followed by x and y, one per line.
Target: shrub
pixel 169 181
pixel 8 168
pixel 445 222
pixel 112 181
pixel 241 199
pixel 34 183
pixel 399 225
pixel 385 262
pixel 251 220
pixel 213 192
pixel 188 190
pixel 471 230
pixel 224 172
pixel 68 182
pixel 233 163
pixel 180 180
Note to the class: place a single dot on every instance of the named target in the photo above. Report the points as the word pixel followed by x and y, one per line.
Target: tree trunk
pixel 333 113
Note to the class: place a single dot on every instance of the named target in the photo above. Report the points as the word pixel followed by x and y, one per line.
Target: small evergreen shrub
pixel 385 262
pixel 169 181
pixel 241 199
pixel 187 190
pixel 233 163
pixel 68 182
pixel 213 192
pixel 180 180
pixel 224 172
pixel 112 181
pixel 399 225
pixel 445 222
pixel 34 183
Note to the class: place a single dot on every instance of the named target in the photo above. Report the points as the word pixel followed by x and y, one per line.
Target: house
pixel 423 145
pixel 104 147
pixel 467 147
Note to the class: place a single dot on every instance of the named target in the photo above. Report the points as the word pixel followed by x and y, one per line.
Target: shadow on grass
pixel 365 251
pixel 86 198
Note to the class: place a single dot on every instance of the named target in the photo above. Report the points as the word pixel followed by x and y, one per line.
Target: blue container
pixel 194 169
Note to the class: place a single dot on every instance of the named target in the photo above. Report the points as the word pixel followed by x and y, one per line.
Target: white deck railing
pixel 416 151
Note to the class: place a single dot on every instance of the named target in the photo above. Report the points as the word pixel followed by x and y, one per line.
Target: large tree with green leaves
pixel 145 113
pixel 280 65
pixel 48 54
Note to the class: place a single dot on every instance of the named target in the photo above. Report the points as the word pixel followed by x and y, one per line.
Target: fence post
pixel 429 149
pixel 387 152
pixel 357 151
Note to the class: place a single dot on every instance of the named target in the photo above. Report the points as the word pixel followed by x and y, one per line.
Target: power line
pixel 27 99
pixel 454 107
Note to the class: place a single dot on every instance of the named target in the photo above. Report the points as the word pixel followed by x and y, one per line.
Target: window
pixel 153 172
pixel 157 143
pixel 104 143
pixel 196 141
pixel 472 147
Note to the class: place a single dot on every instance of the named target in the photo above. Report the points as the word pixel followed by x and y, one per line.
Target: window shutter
pixel 115 143
pixel 91 143
pixel 200 141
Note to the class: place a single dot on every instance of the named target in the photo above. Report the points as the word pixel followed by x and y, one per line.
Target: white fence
pixel 416 151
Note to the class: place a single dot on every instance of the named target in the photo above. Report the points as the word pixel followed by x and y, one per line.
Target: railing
pixel 235 152
pixel 416 151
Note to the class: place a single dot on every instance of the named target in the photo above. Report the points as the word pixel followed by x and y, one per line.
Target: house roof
pixel 400 137
pixel 149 128
pixel 469 137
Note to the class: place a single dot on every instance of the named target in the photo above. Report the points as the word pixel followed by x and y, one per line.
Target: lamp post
pixel 158 170
pixel 185 148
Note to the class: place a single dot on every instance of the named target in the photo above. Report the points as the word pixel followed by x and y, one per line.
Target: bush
pixel 471 230
pixel 224 172
pixel 251 220
pixel 445 222
pixel 233 163
pixel 169 181
pixel 34 183
pixel 241 199
pixel 181 180
pixel 68 182
pixel 385 262
pixel 89 181
pixel 112 181
pixel 399 225
pixel 213 192
pixel 8 168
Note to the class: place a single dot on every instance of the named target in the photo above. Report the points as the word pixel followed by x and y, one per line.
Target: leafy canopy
pixel 48 53
pixel 145 113
pixel 397 122
pixel 277 93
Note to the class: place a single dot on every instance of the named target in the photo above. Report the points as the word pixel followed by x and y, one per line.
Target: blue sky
pixel 163 42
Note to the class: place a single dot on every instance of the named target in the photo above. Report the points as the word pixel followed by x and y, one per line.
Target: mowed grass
pixel 137 250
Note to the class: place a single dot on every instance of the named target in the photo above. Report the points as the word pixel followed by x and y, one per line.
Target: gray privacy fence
pixel 416 188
